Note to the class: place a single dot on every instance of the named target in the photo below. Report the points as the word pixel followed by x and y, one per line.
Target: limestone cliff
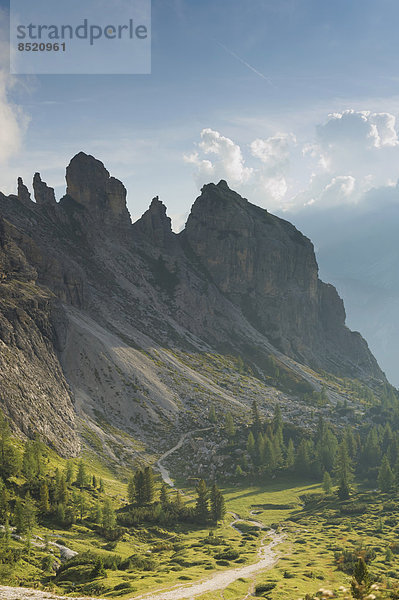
pixel 123 327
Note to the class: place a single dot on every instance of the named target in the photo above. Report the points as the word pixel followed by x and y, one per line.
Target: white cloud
pixel 274 151
pixel 227 163
pixel 13 120
pixel 352 152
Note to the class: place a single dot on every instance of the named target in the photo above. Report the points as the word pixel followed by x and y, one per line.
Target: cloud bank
pixel 349 154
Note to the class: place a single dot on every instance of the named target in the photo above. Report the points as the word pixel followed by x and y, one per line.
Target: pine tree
pixel 131 490
pixel 290 456
pixel 212 414
pixel 29 462
pixel 82 505
pixel 94 482
pixel 269 460
pixel 69 471
pixel 218 508
pixel 201 506
pixel 139 486
pixel 44 499
pixel 303 459
pixel 229 426
pixel 109 517
pixel 98 568
pixel 361 582
pixel 97 513
pixel 4 503
pixel 251 445
pixel 256 420
pixel 164 497
pixel 327 483
pixel 277 419
pixel 19 516
pixel 238 473
pixel 149 486
pixel 62 490
pixel 178 502
pixel 81 477
pixel 101 487
pixel 386 477
pixel 29 512
pixel 9 456
pixel 343 471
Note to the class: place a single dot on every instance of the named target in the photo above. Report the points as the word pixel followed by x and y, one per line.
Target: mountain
pixel 119 334
pixel 357 250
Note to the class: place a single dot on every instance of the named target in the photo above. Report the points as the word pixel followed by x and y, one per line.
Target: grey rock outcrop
pixel 43 193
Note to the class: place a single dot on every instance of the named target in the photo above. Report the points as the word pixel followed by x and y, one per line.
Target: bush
pixel 125 585
pixel 264 587
pixel 229 554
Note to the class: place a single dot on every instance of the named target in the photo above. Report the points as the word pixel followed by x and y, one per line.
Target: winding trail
pixel 267 558
pixel 163 470
pixel 218 581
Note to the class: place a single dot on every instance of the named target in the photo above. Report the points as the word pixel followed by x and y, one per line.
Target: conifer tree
pixel 290 456
pixel 218 508
pixel 361 581
pixel 386 477
pixel 4 503
pixel 109 517
pixel 178 501
pixel 97 514
pixel 62 490
pixel 201 506
pixel 69 471
pixel 256 420
pixel 139 486
pixel 19 516
pixel 149 486
pixel 131 490
pixel 9 456
pixel 251 445
pixel 343 471
pixel 212 414
pixel 327 483
pixel 44 498
pixel 81 477
pixel 229 426
pixel 164 497
pixel 29 512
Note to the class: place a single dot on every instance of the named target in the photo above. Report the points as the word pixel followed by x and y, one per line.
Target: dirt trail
pixel 218 581
pixel 267 558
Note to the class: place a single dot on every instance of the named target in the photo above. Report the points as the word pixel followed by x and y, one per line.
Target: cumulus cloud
pixel 358 128
pixel 13 120
pixel 227 160
pixel 351 153
pixel 274 151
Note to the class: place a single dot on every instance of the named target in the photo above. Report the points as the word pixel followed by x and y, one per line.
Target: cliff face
pixel 265 266
pixel 33 391
pixel 125 313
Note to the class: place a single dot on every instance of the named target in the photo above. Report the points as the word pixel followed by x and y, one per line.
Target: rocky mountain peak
pixel 90 184
pixel 23 192
pixel 155 226
pixel 44 194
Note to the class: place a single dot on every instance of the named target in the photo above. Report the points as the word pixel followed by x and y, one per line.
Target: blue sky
pixel 246 70
pixel 294 102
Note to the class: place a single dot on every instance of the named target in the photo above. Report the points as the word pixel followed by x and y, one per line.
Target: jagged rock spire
pixel 44 194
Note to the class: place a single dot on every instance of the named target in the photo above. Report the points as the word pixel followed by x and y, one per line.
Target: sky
pixel 294 102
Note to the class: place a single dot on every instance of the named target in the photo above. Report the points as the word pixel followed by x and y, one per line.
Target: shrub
pixel 264 587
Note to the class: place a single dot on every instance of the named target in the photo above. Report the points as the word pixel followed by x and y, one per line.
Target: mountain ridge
pixel 134 303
